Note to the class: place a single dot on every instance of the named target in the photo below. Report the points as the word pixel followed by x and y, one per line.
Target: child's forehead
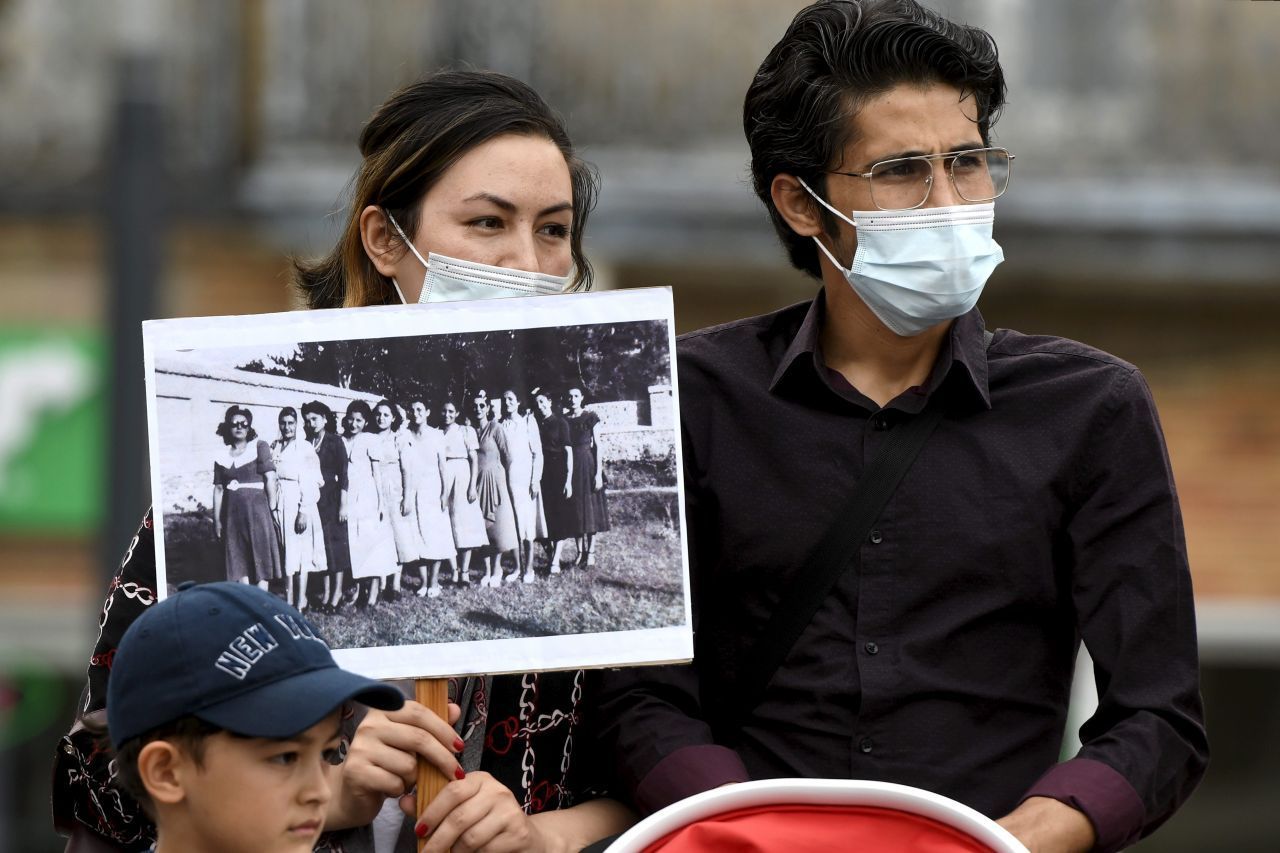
pixel 328 728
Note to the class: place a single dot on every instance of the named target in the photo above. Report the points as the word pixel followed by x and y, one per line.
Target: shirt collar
pixel 963 356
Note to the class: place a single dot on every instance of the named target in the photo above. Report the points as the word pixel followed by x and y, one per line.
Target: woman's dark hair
pixel 551 398
pixel 408 407
pixel 480 396
pixel 224 429
pixel 521 408
pixel 407 146
pixel 315 407
pixel 835 56
pixel 287 412
pixel 372 421
pixel 363 408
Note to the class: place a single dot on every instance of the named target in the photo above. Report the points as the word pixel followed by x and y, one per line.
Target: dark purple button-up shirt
pixel 1041 511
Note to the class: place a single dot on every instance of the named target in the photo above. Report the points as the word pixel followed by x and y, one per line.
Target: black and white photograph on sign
pixel 498 491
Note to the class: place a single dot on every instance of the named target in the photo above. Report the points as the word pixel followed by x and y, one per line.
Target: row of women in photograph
pixel 393 496
pixel 473 166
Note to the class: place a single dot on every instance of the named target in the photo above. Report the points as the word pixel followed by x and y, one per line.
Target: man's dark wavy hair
pixel 835 56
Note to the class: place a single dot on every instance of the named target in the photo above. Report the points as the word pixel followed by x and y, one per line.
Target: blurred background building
pixel 164 158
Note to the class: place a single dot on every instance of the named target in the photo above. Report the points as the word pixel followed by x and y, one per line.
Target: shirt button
pixel 876 537
pixel 866 744
pixel 872 648
pixel 879 423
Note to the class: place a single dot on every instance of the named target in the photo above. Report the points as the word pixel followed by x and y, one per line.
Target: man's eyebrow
pixel 510 207
pixel 963 146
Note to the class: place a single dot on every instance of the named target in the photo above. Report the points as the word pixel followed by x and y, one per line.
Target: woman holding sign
pixel 473 171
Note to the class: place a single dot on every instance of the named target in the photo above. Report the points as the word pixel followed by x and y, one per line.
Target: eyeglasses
pixel 239 424
pixel 980 174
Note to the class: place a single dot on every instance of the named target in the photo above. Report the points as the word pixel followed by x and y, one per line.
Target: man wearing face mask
pixel 901 524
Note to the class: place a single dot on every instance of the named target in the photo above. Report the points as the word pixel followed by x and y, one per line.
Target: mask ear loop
pixel 830 256
pixel 412 248
pixel 820 201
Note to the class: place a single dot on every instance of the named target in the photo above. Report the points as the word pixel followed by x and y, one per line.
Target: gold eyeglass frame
pixel 951 155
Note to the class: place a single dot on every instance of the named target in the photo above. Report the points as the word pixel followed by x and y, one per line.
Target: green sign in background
pixel 52 430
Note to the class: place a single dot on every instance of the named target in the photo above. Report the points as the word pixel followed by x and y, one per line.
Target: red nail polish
pixel 459 773
pixel 458 745
pixel 421 830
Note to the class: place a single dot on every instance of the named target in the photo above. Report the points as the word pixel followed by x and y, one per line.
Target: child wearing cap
pixel 224 710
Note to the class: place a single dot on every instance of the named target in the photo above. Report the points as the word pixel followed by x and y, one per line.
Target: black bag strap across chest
pixel 834 555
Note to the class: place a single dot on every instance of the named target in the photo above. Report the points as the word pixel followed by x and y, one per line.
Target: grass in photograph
pixel 635 584
pixel 191 551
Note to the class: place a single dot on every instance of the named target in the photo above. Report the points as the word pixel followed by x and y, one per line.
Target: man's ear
pixel 795 204
pixel 165 771
pixel 381 243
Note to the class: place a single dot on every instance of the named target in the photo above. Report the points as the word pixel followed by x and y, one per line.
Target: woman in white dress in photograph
pixel 465 516
pixel 296 513
pixel 389 475
pixel 373 548
pixel 494 489
pixel 426 497
pixel 524 474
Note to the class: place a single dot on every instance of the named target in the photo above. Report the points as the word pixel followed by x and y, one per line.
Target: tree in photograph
pixel 609 361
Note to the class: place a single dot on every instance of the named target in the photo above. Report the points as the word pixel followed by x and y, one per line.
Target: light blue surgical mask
pixel 917 268
pixel 453 280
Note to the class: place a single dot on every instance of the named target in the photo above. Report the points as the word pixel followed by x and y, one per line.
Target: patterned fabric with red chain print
pixel 527 744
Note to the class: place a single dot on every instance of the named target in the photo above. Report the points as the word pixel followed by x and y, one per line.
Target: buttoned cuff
pixel 1106 798
pixel 687 771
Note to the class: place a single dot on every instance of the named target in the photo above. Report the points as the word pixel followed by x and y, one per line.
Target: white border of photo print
pixel 199 341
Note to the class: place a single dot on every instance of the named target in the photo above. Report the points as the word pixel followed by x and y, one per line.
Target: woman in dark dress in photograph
pixel 245 491
pixel 435 156
pixel 592 510
pixel 557 477
pixel 319 423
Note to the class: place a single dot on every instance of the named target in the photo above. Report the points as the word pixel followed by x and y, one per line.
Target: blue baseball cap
pixel 235 656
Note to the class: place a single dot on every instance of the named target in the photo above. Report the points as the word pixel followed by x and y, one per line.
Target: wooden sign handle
pixel 434 693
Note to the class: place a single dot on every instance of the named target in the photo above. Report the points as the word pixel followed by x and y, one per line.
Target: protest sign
pixel 238 466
